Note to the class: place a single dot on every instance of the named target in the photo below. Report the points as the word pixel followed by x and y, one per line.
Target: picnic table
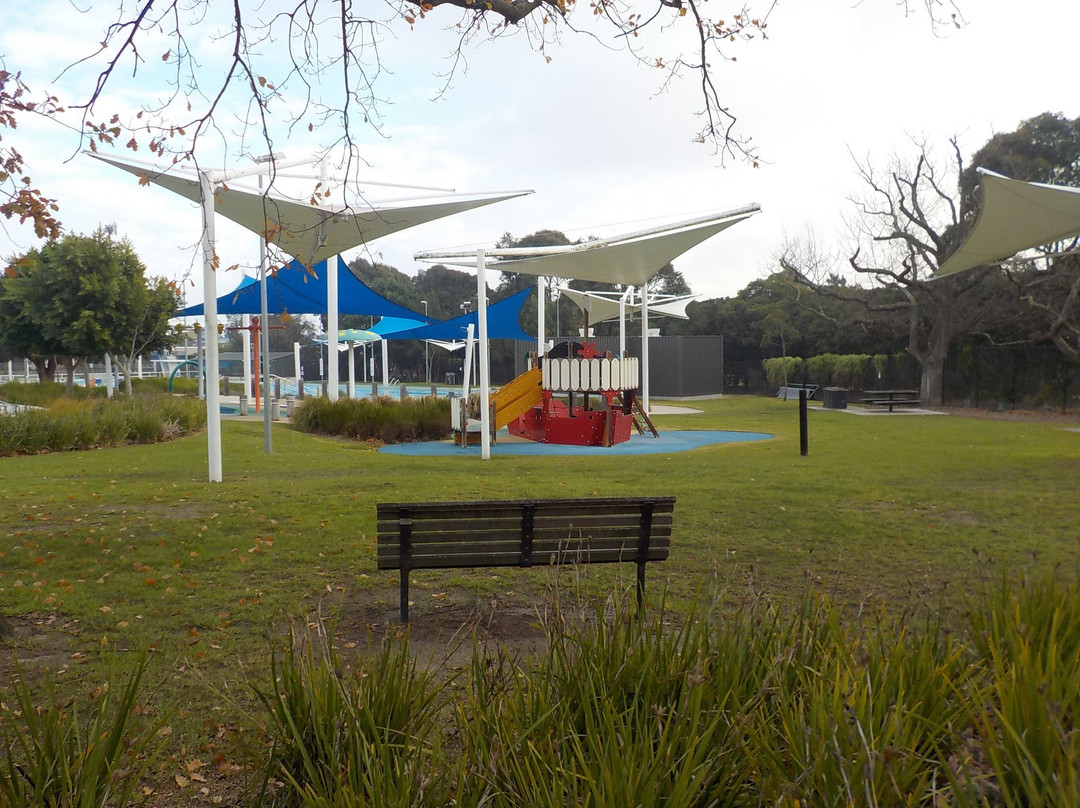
pixel 891 398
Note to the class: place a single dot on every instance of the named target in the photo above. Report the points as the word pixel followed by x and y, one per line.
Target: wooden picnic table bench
pixel 522 533
pixel 892 398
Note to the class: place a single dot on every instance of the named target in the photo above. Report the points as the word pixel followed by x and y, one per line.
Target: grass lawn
pixel 128 549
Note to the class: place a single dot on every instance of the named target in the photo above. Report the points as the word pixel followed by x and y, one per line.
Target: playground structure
pixel 582 400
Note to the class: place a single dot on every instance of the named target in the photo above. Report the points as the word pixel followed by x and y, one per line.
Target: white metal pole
pixel 541 315
pixel 213 403
pixel 264 339
pixel 622 319
pixel 427 351
pixel 351 389
pixel 385 365
pixel 645 349
pixel 331 307
pixel 333 371
pixel 485 381
pixel 470 334
pixel 245 324
pixel 296 370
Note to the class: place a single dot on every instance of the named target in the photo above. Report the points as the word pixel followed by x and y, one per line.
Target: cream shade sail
pixel 310 233
pixel 631 259
pixel 603 308
pixel 1015 216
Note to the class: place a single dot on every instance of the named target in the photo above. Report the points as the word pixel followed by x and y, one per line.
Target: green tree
pixel 82 297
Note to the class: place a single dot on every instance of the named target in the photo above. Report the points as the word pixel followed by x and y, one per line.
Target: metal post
pixel 541 315
pixel 268 439
pixel 213 402
pixel 485 391
pixel 645 350
pixel 804 438
pixel 351 387
pixel 427 351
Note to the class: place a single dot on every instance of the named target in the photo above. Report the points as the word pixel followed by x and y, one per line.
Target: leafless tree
pixel 901 228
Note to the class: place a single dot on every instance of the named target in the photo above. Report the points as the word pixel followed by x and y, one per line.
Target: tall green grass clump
pixel 383 419
pixel 868 717
pixel 55 755
pixel 1028 639
pixel 360 736
pixel 69 425
pixel 621 711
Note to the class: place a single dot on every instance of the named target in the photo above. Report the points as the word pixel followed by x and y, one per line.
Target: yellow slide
pixel 517 397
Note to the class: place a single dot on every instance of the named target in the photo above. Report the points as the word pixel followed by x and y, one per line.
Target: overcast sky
pixel 588 133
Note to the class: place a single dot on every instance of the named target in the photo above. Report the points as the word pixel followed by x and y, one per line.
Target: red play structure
pixel 587 399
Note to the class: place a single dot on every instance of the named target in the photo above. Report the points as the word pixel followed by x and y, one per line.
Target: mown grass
pixel 130 549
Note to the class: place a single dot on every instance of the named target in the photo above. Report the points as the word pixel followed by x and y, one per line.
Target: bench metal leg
pixel 645 532
pixel 405 526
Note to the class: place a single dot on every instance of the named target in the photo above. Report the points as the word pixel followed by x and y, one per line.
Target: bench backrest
pixel 511 533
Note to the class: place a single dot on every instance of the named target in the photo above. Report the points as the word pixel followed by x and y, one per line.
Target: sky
pixel 604 151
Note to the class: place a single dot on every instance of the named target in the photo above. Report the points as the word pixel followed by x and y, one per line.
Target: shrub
pixel 68 424
pixel 383 419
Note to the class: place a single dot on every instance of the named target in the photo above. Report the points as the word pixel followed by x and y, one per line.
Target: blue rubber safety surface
pixel 669 441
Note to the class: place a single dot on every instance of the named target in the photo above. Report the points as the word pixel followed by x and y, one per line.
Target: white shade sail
pixel 631 259
pixel 602 307
pixel 310 233
pixel 1015 216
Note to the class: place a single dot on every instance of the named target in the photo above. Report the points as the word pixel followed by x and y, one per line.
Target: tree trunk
pixel 124 363
pixel 69 385
pixel 45 367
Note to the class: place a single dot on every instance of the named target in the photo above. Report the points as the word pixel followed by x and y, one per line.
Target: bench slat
pixel 424 539
pixel 389 556
pixel 510 558
pixel 424 530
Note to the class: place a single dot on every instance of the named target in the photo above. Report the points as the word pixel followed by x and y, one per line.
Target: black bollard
pixel 804 438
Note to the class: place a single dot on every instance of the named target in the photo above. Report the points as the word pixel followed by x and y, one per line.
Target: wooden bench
pixel 522 533
pixel 892 398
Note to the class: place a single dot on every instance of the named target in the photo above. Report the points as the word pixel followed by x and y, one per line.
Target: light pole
pixel 427 349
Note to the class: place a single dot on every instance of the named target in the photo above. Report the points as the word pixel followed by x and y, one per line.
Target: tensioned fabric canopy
pixel 630 259
pixel 295 290
pixel 1015 216
pixel 309 233
pixel 603 307
pixel 504 322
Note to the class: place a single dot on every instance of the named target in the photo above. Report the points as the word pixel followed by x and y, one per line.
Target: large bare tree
pixel 902 228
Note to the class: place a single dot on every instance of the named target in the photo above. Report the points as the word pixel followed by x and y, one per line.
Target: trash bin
pixel 835 398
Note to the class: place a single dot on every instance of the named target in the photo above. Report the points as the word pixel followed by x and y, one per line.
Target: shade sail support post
pixel 645 350
pixel 541 316
pixel 385 365
pixel 623 300
pixel 213 400
pixel 264 336
pixel 350 390
pixel 485 367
